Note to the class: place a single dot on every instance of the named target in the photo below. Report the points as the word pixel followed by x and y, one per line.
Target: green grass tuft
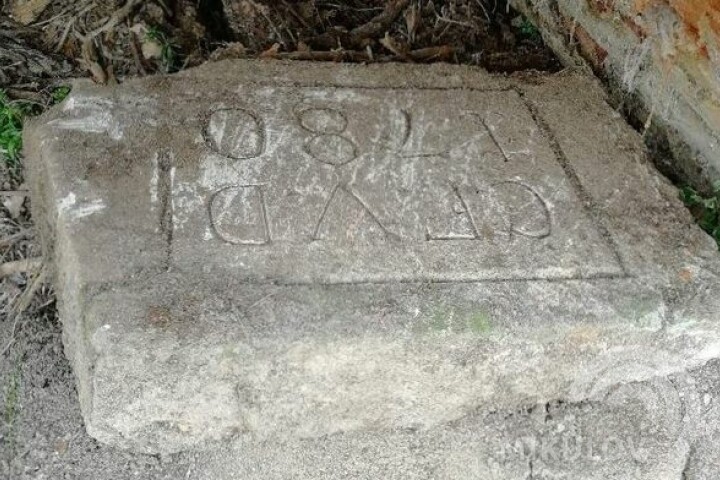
pixel 528 30
pixel 59 94
pixel 12 113
pixel 705 209
pixel 12 116
pixel 169 59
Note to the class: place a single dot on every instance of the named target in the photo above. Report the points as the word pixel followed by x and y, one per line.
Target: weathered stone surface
pixel 321 256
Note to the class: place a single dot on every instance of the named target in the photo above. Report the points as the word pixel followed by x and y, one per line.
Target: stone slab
pixel 284 253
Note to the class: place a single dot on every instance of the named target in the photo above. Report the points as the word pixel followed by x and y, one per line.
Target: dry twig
pixel 21 304
pixel 14 238
pixel 377 26
pixel 20 266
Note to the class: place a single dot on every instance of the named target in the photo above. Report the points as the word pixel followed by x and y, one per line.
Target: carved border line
pixel 600 276
pixel 166 207
pixel 206 118
pixel 467 88
pixel 588 203
pixel 561 158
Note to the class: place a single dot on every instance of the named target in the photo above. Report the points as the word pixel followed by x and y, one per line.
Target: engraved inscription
pixel 512 208
pixel 463 210
pixel 236 133
pixel 522 209
pixel 355 185
pixel 409 127
pixel 328 144
pixel 346 217
pixel 508 208
pixel 491 133
pixel 239 216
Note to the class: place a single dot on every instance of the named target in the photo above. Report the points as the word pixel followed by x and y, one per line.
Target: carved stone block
pixel 263 252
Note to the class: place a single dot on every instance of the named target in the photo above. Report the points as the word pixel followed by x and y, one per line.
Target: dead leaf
pixel 442 52
pixel 388 42
pixel 231 50
pixel 90 59
pixel 14 205
pixel 307 10
pixel 151 49
pixel 27 11
pixel 413 20
pixel 271 52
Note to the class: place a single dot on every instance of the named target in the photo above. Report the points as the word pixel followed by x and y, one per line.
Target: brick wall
pixel 662 61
